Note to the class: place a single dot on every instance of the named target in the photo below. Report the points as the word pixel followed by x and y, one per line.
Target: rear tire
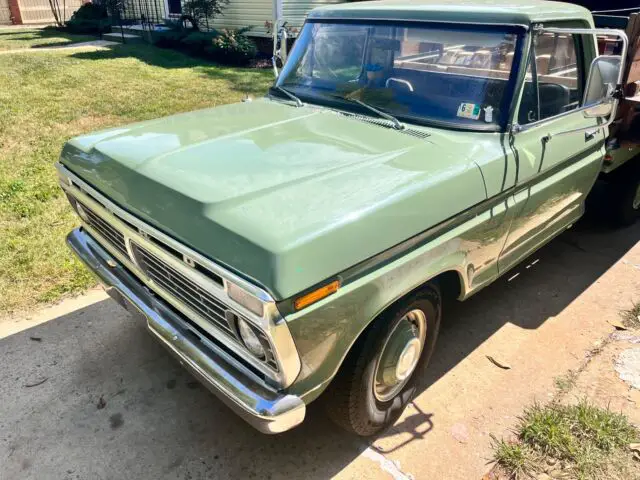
pixel 363 398
pixel 625 197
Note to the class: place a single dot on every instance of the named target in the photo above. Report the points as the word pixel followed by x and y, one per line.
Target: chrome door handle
pixel 590 134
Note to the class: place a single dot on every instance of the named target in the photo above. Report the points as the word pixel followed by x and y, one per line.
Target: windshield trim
pixel 510 91
pixel 516 27
pixel 509 94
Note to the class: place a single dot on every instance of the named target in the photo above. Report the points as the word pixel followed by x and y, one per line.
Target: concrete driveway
pixel 115 405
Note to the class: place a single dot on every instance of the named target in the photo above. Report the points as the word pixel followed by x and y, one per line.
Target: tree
pixel 202 10
pixel 58 13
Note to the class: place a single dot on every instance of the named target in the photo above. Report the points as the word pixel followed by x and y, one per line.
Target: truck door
pixel 554 173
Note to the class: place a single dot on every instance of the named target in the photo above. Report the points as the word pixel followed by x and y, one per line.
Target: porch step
pixel 123 37
pixel 139 29
pixel 119 30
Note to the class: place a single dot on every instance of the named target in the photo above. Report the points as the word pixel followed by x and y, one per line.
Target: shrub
pixel 232 47
pixel 197 42
pixel 90 18
pixel 169 38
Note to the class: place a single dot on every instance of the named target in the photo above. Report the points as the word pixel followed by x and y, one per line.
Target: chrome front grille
pixel 191 294
pixel 105 230
pixel 178 285
pixel 190 284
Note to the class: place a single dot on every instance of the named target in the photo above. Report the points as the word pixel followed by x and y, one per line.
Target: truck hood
pixel 284 196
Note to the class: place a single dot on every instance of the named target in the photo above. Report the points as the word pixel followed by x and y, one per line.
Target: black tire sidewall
pixel 382 414
pixel 627 215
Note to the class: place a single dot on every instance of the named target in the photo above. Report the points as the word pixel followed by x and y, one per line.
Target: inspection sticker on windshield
pixel 469 110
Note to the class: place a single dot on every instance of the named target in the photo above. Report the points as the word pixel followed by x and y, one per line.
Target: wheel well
pixel 450 285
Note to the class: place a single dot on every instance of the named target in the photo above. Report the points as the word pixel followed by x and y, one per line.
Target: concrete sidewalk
pixel 93 44
pixel 89 394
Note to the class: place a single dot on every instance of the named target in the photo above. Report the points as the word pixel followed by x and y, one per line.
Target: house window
pixel 175 7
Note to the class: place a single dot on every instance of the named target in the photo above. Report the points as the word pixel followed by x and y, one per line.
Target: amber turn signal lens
pixel 318 294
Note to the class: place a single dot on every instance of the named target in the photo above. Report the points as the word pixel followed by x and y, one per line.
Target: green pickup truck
pixel 300 246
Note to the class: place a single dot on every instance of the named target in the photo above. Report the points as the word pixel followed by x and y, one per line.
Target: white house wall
pixel 254 13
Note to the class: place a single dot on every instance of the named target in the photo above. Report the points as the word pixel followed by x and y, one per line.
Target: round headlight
pixel 250 339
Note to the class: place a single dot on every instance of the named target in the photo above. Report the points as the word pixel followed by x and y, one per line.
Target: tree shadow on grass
pixel 43 34
pixel 251 81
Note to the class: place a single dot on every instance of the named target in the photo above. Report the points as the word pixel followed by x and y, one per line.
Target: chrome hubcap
pixel 408 359
pixel 636 198
pixel 400 355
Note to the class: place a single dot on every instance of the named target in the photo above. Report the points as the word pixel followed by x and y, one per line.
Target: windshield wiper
pixel 397 124
pixel 290 95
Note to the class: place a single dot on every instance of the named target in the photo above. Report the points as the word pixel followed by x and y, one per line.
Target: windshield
pixel 458 76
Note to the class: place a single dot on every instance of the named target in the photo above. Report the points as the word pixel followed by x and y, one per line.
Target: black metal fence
pixel 144 12
pixel 140 15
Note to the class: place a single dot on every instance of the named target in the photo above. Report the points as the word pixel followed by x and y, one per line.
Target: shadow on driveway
pixel 155 421
pixel 538 289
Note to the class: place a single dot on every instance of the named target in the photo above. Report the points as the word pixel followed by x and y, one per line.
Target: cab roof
pixel 507 12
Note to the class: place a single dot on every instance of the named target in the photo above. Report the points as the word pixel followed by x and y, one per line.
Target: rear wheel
pixel 625 196
pixel 378 378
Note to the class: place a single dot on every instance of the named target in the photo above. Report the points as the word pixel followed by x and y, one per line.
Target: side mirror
pixel 603 77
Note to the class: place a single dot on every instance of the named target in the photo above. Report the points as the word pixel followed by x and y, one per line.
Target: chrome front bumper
pixel 256 402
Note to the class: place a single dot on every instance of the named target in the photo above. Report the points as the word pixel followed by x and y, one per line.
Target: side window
pixel 557 86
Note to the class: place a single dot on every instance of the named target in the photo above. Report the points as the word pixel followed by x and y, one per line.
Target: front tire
pixel 378 378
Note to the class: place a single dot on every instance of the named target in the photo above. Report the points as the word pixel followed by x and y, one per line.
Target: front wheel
pixel 378 378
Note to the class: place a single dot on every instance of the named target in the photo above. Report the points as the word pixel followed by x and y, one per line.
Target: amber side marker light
pixel 316 295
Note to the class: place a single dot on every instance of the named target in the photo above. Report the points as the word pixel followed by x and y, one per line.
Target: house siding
pixel 5 13
pixel 254 14
pixel 295 12
pixel 39 11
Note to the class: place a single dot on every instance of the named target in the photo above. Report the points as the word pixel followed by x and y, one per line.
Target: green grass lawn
pixel 580 441
pixel 13 38
pixel 49 97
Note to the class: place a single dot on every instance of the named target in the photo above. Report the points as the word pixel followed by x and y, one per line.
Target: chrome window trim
pixel 544 121
pixel 271 323
pixel 575 31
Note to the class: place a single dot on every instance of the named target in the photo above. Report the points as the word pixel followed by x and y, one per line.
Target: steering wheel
pixel 399 80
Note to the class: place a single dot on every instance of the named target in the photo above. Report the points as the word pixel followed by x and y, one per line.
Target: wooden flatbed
pixel 624 143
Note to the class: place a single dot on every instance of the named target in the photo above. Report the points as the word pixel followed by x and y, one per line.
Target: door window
pixel 557 85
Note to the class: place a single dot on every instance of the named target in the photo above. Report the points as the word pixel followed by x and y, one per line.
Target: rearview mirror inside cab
pixel 601 85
